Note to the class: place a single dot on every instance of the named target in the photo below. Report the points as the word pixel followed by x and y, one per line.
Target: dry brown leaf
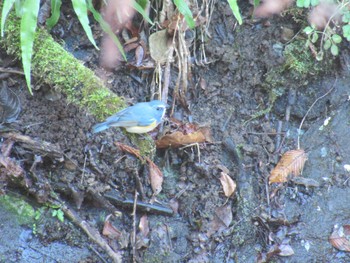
pixel 340 238
pixel 156 177
pixel 143 226
pixel 110 231
pixel 158 46
pixel 129 149
pixel 292 162
pixel 222 219
pixel 228 184
pixel 179 139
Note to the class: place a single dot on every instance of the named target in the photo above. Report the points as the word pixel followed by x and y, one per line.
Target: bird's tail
pixel 100 127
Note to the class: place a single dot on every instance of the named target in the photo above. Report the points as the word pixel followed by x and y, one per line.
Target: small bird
pixel 140 118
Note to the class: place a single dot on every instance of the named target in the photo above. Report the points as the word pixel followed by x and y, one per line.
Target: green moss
pixel 52 65
pixel 299 68
pixel 145 144
pixel 301 63
pixel 24 212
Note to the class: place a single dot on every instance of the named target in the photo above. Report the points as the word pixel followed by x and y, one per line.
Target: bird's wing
pixel 132 116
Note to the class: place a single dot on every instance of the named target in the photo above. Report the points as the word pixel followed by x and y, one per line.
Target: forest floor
pixel 289 222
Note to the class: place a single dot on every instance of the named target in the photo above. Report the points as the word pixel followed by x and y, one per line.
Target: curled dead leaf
pixel 156 177
pixel 340 238
pixel 228 184
pixel 129 149
pixel 184 137
pixel 291 162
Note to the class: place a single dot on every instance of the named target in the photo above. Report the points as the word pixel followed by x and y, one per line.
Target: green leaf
pixel 54 213
pixel 141 10
pixel 307 3
pixel 334 50
pixel 106 28
pixel 60 215
pixel 185 10
pixel 143 3
pixel 256 3
pixel 315 2
pixel 300 3
pixel 5 11
pixel 346 31
pixel 308 30
pixel 314 37
pixel 18 6
pixel 336 38
pixel 327 44
pixel 29 19
pixel 55 13
pixel 80 8
pixel 235 10
pixel 346 17
pixel 319 56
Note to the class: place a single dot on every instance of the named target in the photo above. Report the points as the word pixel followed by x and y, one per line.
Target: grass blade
pixel 235 10
pixel 55 14
pixel 185 10
pixel 5 11
pixel 80 8
pixel 140 9
pixel 106 28
pixel 29 19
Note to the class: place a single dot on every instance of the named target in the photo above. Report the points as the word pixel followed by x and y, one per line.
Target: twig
pixel 133 239
pixel 278 137
pixel 116 200
pixel 14 71
pixel 91 232
pixel 98 254
pixel 37 146
pixel 42 253
pixel 313 104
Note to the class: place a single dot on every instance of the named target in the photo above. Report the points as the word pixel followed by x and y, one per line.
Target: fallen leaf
pixel 179 138
pixel 228 184
pixel 143 225
pixel 156 177
pixel 142 239
pixel 158 46
pixel 129 149
pixel 285 250
pixel 340 238
pixel 109 230
pixel 292 162
pixel 222 219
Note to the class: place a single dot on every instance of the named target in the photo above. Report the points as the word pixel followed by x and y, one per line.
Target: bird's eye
pixel 160 108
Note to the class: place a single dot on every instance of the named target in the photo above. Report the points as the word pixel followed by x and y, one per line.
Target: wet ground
pixel 290 222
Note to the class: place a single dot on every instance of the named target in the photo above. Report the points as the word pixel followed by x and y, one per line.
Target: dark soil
pixel 260 222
